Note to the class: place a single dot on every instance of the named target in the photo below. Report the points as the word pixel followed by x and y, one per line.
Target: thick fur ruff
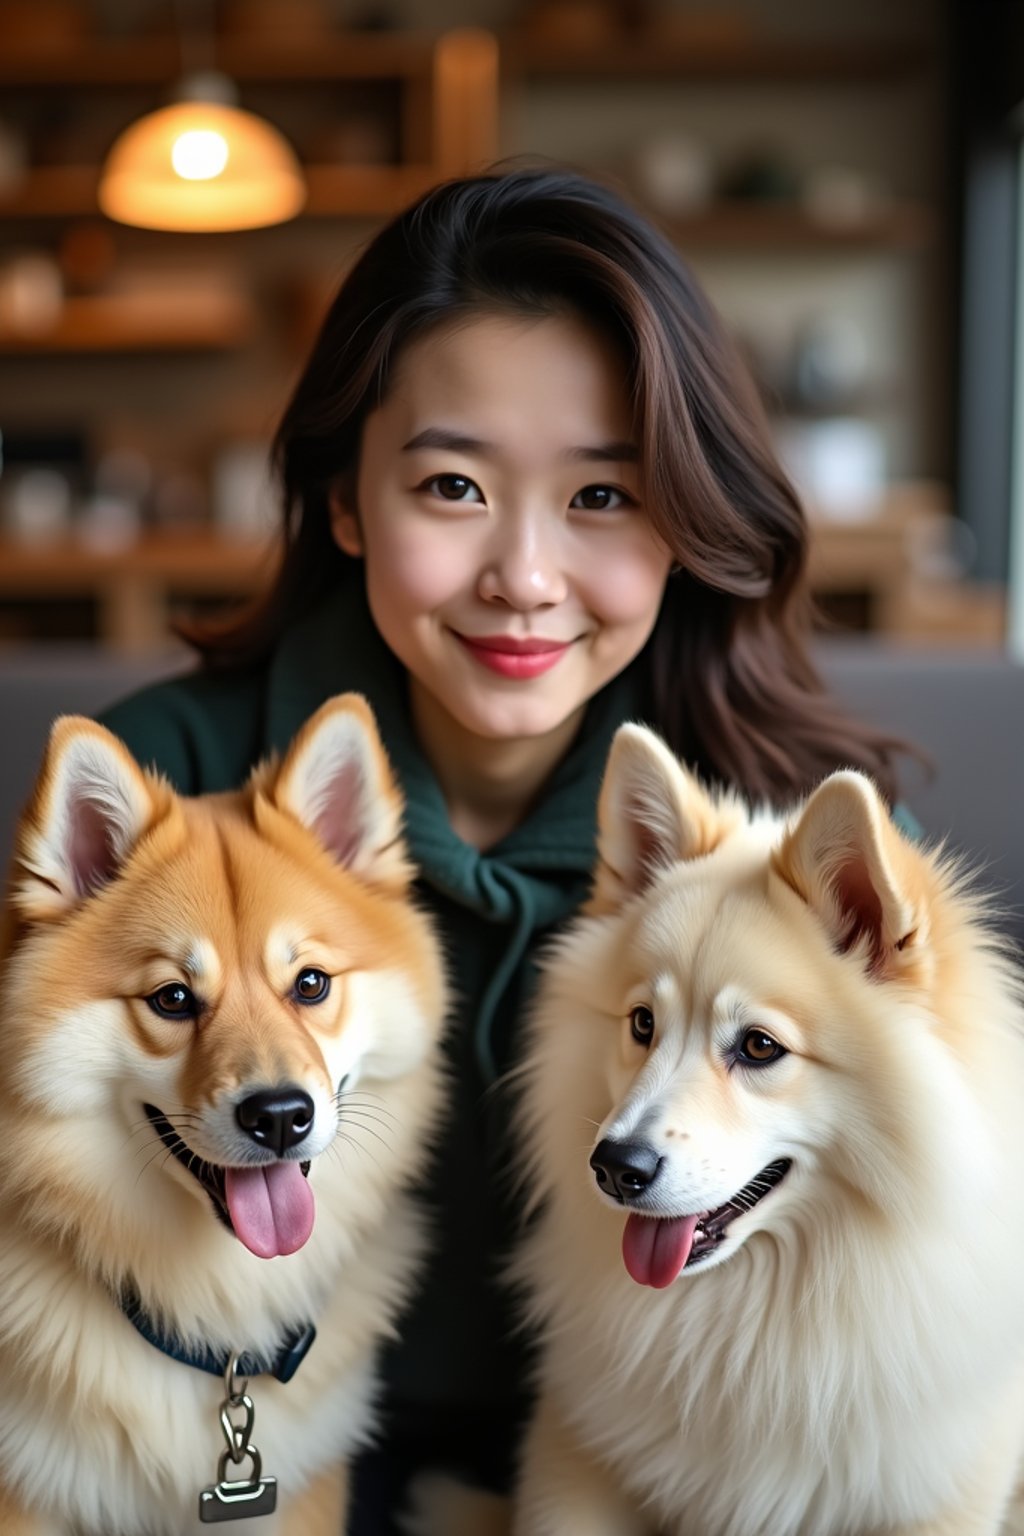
pixel 120 888
pixel 849 1360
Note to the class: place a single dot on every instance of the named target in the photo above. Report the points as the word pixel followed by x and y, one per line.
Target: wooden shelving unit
pixel 448 104
pixel 443 94
pixel 113 324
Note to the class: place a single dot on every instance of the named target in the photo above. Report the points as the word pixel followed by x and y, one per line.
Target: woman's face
pixel 510 564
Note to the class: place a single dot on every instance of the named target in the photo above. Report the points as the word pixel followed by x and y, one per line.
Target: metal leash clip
pixel 237 1498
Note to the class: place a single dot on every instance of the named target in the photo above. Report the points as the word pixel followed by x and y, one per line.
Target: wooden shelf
pixel 886 555
pixel 156 61
pixel 766 227
pixel 745 60
pixel 335 191
pixel 132 586
pixel 132 323
pixel 52 192
pixel 203 562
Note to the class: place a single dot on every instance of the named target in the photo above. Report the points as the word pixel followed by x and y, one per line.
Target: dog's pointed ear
pixel 91 804
pixel 336 780
pixel 845 859
pixel 651 813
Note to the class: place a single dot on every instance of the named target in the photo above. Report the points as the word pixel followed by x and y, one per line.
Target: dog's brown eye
pixel 174 1001
pixel 641 1025
pixel 312 986
pixel 757 1049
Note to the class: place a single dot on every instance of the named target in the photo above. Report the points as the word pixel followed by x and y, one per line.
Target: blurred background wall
pixel 842 176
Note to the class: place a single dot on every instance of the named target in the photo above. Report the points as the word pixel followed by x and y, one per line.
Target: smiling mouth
pixel 515 659
pixel 656 1249
pixel 510 646
pixel 210 1177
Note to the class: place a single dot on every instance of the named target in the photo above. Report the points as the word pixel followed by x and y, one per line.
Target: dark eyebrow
pixel 459 442
pixel 440 437
pixel 607 453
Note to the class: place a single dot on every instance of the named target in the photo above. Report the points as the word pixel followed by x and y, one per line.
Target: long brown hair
pixel 729 681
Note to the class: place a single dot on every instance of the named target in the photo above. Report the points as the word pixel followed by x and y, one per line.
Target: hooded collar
pixel 337 648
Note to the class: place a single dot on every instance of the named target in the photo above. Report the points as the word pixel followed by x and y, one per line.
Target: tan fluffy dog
pixel 218 1071
pixel 775 1123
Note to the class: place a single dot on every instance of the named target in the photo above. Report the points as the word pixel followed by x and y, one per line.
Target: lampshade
pixel 201 165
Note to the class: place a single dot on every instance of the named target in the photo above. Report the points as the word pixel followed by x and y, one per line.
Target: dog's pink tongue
pixel 271 1208
pixel 656 1248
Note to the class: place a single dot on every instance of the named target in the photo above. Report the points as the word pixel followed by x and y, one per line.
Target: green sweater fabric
pixel 460 1346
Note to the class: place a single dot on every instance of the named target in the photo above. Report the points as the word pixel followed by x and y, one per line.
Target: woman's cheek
pixel 627 588
pixel 418 567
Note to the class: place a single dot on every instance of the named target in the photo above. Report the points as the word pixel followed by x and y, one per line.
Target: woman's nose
pixel 524 564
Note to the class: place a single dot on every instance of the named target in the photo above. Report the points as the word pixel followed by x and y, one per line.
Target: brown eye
pixel 454 488
pixel 600 498
pixel 641 1025
pixel 758 1049
pixel 311 986
pixel 174 1001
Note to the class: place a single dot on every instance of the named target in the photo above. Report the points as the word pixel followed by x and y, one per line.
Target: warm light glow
pixel 200 154
pixel 150 180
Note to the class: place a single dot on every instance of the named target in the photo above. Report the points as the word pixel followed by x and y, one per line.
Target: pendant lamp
pixel 201 164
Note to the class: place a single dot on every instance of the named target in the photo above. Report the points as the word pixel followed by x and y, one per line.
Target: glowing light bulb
pixel 200 154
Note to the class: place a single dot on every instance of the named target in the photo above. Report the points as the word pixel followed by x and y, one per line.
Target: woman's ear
pixel 345 522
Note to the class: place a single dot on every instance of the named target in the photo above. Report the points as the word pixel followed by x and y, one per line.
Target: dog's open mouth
pixel 657 1249
pixel 268 1206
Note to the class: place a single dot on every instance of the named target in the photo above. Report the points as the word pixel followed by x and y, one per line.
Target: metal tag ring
pixel 257 1466
pixel 234 1391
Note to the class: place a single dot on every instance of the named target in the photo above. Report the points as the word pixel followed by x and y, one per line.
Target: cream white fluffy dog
pixel 218 1072
pixel 775 1121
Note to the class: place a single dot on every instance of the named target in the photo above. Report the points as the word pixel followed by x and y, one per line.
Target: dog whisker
pixel 364 1117
pixel 351 1141
pixel 149 1163
pixel 365 1102
pixel 365 1130
pixel 362 1112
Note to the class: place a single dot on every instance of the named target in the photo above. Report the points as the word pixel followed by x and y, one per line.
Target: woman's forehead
pixel 487 376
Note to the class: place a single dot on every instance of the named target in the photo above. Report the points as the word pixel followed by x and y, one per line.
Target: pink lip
pixel 514 658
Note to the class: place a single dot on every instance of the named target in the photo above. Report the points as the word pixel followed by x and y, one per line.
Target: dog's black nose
pixel 277 1118
pixel 624 1169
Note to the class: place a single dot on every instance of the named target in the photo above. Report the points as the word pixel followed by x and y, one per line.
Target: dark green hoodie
pixel 493 910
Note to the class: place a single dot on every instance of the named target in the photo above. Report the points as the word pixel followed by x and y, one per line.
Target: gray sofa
pixel 966 709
